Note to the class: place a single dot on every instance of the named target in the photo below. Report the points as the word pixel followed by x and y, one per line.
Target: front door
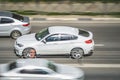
pixel 52 45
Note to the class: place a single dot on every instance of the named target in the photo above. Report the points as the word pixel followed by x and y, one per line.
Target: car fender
pixel 14 30
pixel 29 48
pixel 78 48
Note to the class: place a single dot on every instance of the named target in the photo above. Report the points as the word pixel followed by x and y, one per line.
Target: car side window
pixel 6 20
pixel 33 71
pixel 67 37
pixel 51 38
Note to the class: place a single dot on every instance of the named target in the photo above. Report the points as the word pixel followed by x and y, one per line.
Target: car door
pixel 5 26
pixel 57 44
pixel 52 45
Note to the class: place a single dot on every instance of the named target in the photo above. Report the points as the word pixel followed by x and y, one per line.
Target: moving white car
pixel 39 69
pixel 56 40
pixel 13 25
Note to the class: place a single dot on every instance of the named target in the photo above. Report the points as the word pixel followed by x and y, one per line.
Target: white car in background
pixel 56 40
pixel 39 69
pixel 13 25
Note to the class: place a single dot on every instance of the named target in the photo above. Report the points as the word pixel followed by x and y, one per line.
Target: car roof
pixel 63 29
pixel 32 62
pixel 5 13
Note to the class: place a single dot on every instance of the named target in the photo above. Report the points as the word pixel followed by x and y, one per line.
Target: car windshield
pixel 18 17
pixel 52 66
pixel 41 34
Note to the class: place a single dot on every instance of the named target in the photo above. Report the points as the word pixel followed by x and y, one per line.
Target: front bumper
pixel 18 51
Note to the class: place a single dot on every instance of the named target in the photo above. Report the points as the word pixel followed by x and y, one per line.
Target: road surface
pixel 104 64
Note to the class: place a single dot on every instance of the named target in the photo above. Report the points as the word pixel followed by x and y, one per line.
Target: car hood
pixel 27 39
pixel 71 72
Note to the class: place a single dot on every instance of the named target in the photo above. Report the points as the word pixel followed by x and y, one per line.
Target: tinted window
pixel 18 17
pixel 52 66
pixel 41 34
pixel 6 20
pixel 54 37
pixel 83 33
pixel 12 66
pixel 67 37
pixel 34 71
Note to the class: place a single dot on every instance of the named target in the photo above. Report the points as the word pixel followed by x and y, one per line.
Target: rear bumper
pixel 26 31
pixel 89 53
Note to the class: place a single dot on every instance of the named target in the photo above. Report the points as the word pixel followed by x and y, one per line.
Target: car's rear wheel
pixel 15 34
pixel 29 53
pixel 77 53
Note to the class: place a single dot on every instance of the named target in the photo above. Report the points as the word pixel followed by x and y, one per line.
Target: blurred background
pixel 63 7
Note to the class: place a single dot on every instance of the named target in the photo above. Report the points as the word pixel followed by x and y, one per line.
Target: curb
pixel 74 19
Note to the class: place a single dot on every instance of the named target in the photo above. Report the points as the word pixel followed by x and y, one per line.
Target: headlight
pixel 20 45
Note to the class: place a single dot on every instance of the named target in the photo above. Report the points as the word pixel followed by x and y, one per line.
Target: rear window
pixel 18 17
pixel 83 33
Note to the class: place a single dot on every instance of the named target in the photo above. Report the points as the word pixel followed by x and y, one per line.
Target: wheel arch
pixel 77 48
pixel 29 48
pixel 15 29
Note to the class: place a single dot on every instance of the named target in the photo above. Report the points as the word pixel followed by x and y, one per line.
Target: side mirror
pixel 44 41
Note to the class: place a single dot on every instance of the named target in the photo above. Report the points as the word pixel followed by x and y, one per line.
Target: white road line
pixel 61 19
pixel 99 45
pixel 96 65
pixel 15 78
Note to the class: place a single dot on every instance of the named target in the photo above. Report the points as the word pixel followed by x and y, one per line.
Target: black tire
pixel 76 53
pixel 26 52
pixel 15 34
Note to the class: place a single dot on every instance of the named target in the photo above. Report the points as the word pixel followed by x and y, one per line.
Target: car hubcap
pixel 16 34
pixel 26 53
pixel 29 53
pixel 77 53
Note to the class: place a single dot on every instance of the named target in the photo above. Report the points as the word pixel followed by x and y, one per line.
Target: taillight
pixel 88 41
pixel 25 25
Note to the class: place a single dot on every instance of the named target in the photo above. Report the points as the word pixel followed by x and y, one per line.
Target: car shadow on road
pixel 4 37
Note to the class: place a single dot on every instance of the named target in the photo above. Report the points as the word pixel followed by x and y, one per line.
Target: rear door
pixel 67 42
pixel 5 26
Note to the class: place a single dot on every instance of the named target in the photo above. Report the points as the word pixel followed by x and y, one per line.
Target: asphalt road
pixel 104 64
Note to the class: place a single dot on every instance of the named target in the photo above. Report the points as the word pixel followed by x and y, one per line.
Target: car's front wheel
pixel 29 53
pixel 15 34
pixel 76 53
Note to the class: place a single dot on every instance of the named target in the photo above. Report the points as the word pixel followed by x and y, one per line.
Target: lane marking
pixel 61 19
pixel 96 65
pixel 15 78
pixel 99 45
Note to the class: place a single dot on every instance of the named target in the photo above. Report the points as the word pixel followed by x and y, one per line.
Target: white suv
pixel 56 40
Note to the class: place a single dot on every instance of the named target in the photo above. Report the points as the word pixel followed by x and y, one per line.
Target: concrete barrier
pixel 63 7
